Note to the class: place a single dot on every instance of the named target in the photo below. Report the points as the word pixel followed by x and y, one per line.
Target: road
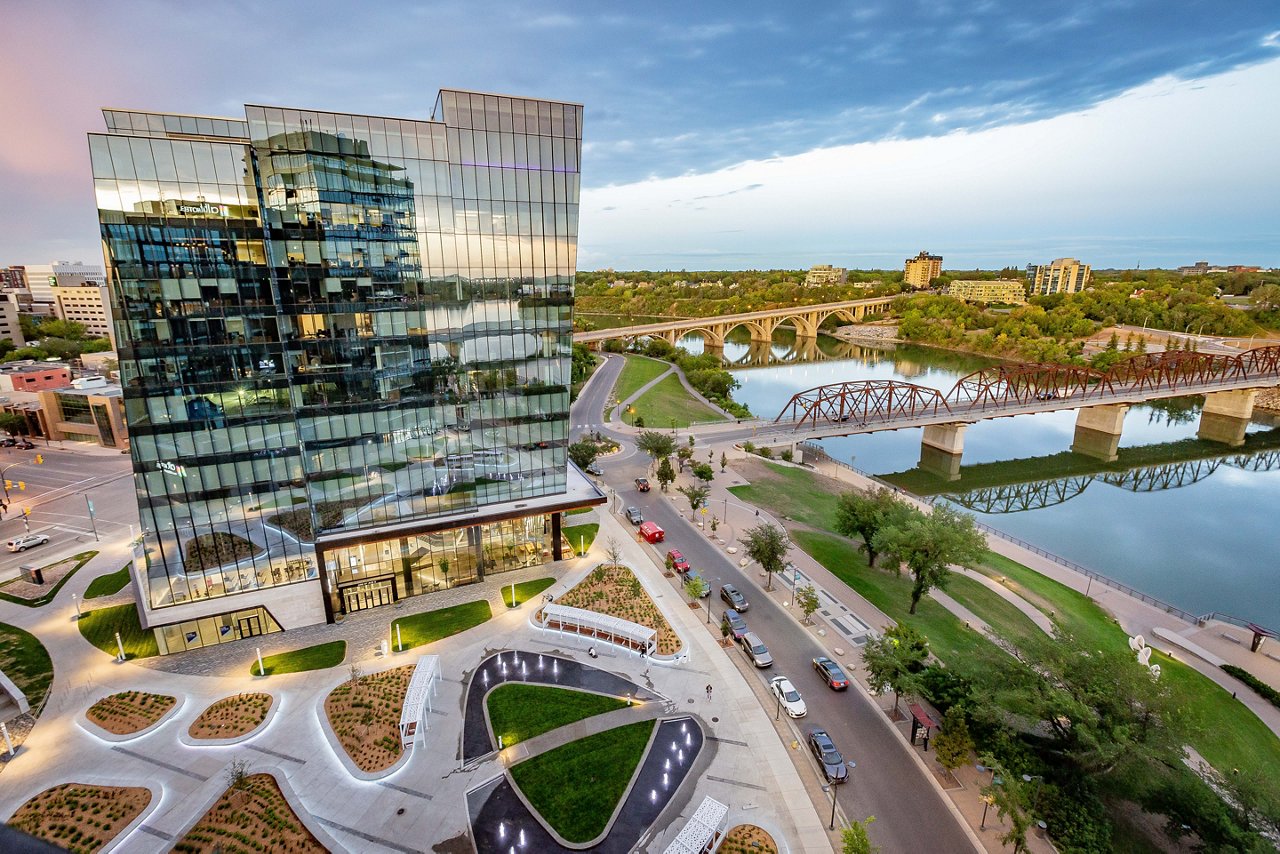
pixel 55 492
pixel 910 813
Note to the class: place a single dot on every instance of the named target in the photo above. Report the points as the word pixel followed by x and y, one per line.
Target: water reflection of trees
pixel 1174 410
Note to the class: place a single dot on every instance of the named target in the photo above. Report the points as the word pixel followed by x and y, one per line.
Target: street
pixel 910 813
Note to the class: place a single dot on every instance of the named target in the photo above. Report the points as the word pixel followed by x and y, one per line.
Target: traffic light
pixel 22 486
pixel 26 511
pixel 39 458
pixel 8 484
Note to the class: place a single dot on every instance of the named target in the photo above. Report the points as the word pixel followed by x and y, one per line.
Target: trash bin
pixel 1042 829
pixel 32 573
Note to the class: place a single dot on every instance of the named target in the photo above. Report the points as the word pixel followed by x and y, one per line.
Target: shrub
pixel 1271 695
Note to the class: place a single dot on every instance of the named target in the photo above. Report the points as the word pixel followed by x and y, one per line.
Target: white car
pixel 788 696
pixel 26 541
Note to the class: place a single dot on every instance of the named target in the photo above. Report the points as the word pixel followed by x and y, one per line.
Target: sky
pixel 729 135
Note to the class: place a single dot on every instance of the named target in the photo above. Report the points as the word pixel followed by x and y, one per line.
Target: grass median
pixel 425 628
pixel 520 712
pixel 100 626
pixel 319 657
pixel 637 371
pixel 525 590
pixel 109 584
pixel 25 660
pixel 581 536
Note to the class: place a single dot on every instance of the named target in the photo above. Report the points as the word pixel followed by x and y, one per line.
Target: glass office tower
pixel 345 346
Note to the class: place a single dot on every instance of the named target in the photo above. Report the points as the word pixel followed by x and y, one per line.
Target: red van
pixel 652 533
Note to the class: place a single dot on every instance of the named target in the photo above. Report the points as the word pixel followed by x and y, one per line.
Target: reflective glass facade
pixel 332 323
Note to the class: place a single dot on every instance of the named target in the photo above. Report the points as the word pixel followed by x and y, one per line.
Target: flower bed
pixel 615 590
pixel 210 551
pixel 80 817
pixel 251 816
pixel 129 711
pixel 748 839
pixel 231 717
pixel 365 715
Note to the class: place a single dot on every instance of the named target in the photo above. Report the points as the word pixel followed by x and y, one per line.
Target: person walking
pixel 708 690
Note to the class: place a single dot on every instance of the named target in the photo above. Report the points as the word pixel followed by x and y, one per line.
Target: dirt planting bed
pixel 252 815
pixel 129 711
pixel 231 717
pixel 210 551
pixel 80 817
pixel 748 839
pixel 365 715
pixel 615 590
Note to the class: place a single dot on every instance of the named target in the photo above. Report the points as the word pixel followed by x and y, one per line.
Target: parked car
pixel 595 470
pixel 737 625
pixel 756 650
pixel 8 442
pixel 733 598
pixel 24 445
pixel 834 768
pixel 26 541
pixel 787 695
pixel 642 484
pixel 830 671
pixel 652 532
pixel 675 560
pixel 706 588
pixel 634 516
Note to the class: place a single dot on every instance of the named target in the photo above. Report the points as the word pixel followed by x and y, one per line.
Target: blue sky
pixel 681 91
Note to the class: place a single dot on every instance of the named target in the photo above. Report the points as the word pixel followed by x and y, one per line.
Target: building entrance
pixel 250 626
pixel 371 594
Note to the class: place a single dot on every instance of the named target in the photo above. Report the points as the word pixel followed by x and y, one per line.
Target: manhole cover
pixel 715 720
pixel 690 699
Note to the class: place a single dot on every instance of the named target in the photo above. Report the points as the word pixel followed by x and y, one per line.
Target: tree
pixel 97 345
pixel 703 472
pixel 862 515
pixel 67 329
pixel 724 462
pixel 929 544
pixel 953 743
pixel 27 353
pixel 13 423
pixel 30 327
pixel 697 496
pixel 583 454
pixel 896 659
pixel 613 550
pixel 1265 297
pixel 807 599
pixel 1010 803
pixel 767 545
pixel 854 838
pixel 695 587
pixel 684 455
pixel 63 348
pixel 656 445
pixel 666 474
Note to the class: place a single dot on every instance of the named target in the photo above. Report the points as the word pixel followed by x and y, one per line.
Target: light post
pixel 1035 800
pixel 75 600
pixel 987 800
pixel 832 790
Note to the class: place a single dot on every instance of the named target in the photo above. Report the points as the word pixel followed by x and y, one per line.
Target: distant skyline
pixel 730 135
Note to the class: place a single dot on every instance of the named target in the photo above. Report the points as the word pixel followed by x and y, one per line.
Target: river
pixel 1191 523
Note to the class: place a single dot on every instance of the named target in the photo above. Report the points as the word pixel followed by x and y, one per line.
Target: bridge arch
pixel 863 402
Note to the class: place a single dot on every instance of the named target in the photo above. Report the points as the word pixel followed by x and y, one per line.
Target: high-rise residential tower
pixel 345 345
pixel 1063 276
pixel 919 271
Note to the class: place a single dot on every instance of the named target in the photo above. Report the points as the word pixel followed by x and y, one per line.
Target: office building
pixel 1005 291
pixel 88 305
pixel 43 278
pixel 825 274
pixel 919 271
pixel 13 278
pixel 10 326
pixel 345 348
pixel 89 410
pixel 1063 276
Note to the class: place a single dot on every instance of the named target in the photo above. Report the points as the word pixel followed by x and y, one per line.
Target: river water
pixel 1194 524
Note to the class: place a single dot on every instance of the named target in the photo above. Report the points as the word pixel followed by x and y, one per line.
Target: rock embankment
pixel 1268 399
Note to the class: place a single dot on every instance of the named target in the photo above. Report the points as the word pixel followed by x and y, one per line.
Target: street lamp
pixel 1035 801
pixel 832 790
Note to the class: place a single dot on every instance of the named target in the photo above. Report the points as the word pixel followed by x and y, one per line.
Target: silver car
pixel 756 650
pixel 26 541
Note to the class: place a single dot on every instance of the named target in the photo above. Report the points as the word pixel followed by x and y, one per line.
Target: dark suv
pixel 733 598
pixel 737 625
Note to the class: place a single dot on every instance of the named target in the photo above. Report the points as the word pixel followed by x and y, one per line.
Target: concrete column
pixel 557 540
pixel 941 449
pixel 1226 415
pixel 1234 404
pixel 1098 430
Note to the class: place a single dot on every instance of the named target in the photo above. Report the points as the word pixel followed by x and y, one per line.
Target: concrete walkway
pixel 1034 614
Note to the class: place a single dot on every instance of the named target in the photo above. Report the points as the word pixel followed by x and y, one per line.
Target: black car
pixel 634 516
pixel 736 600
pixel 830 671
pixel 834 768
pixel 642 484
pixel 8 442
pixel 24 445
pixel 737 625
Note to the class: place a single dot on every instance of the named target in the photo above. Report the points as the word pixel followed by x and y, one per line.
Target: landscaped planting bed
pixel 615 590
pixel 129 711
pixel 748 839
pixel 365 715
pixel 209 551
pixel 80 817
pixel 249 818
pixel 231 717
pixel 22 592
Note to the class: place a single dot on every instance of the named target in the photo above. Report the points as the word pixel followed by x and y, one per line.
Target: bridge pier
pixel 1226 415
pixel 941 449
pixel 1098 430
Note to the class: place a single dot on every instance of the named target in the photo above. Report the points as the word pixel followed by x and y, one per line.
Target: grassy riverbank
pixel 669 404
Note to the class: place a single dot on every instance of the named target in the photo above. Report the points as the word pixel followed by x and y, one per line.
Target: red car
pixel 642 484
pixel 676 561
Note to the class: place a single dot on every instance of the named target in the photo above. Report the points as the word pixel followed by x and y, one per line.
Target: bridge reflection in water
pixel 1038 494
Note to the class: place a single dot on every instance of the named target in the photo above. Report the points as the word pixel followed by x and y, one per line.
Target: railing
pixel 810 448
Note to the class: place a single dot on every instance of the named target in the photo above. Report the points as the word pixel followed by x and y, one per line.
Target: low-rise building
pixel 1062 276
pixel 1006 291
pixel 29 375
pixel 91 410
pixel 919 271
pixel 825 274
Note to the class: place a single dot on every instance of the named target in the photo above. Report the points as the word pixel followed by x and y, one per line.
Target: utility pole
pixel 93 522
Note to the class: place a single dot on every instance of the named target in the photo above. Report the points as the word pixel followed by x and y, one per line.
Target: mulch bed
pixel 80 817
pixel 615 591
pixel 231 717
pixel 748 839
pixel 129 711
pixel 365 715
pixel 253 818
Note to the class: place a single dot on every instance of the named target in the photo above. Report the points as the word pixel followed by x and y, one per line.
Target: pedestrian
pixel 708 690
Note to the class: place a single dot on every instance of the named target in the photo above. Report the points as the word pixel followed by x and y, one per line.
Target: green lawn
pixel 578 511
pixel 637 371
pixel 100 625
pixel 577 787
pixel 318 657
pixel 109 584
pixel 80 559
pixel 519 712
pixel 794 493
pixel 668 404
pixel 420 629
pixel 526 590
pixel 25 660
pixel 582 536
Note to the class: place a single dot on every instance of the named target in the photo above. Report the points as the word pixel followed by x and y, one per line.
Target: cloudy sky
pixel 730 134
